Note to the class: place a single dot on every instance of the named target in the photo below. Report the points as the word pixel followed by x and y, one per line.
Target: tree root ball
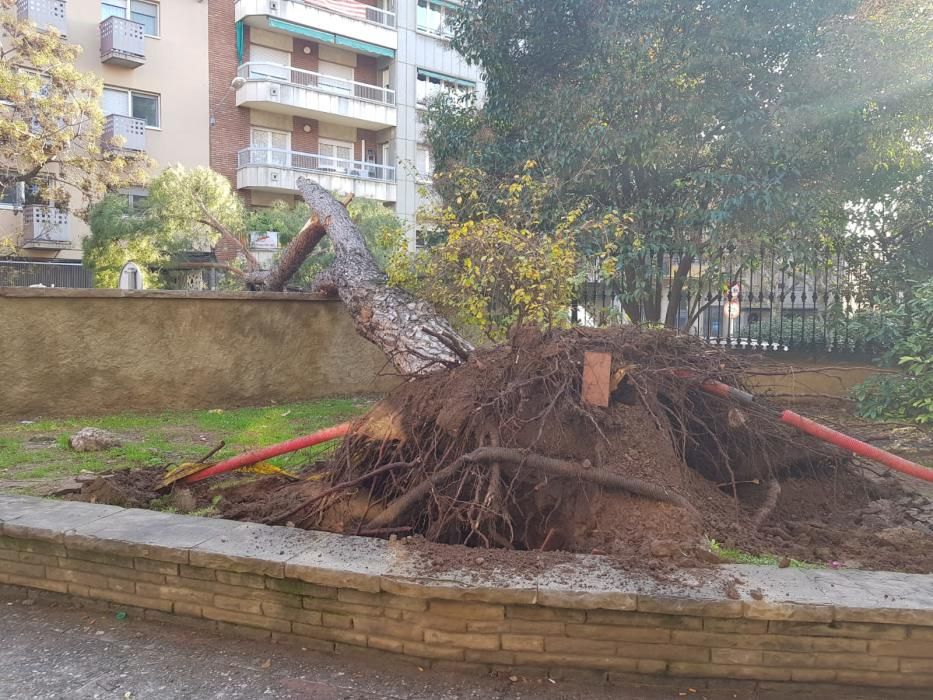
pixel 503 451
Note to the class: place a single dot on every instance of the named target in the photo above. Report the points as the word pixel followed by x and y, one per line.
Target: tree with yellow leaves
pixel 500 264
pixel 51 121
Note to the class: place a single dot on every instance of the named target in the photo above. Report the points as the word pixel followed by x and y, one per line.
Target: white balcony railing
pixel 45 227
pixel 344 8
pixel 122 133
pixel 122 42
pixel 255 70
pixel 355 10
pixel 43 13
pixel 315 162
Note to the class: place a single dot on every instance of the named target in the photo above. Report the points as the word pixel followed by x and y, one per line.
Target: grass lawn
pixel 34 454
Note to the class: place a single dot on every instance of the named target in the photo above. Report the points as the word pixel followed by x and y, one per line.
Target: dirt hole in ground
pixel 503 453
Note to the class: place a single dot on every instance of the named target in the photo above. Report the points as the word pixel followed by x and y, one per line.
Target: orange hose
pixel 262 453
pixel 863 449
pixel 821 432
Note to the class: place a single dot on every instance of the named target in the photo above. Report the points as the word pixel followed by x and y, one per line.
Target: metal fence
pixel 28 273
pixel 767 299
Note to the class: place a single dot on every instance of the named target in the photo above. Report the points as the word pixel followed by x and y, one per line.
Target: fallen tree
pixel 508 446
pixel 415 338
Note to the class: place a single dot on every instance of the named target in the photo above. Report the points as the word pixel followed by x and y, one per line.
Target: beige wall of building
pixel 175 69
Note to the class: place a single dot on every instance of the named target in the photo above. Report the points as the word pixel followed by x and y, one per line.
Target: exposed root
pixel 767 508
pixel 571 470
pixel 401 505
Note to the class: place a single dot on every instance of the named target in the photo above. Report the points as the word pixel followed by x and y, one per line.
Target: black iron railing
pixel 27 273
pixel 776 299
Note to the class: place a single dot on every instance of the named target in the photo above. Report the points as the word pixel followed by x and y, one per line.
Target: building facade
pixel 153 60
pixel 264 92
pixel 331 90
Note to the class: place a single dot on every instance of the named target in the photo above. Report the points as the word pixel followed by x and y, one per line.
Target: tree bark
pixel 413 336
pixel 292 258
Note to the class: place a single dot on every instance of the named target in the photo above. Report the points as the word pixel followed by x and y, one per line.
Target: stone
pixel 147 534
pixel 43 519
pixel 93 440
pixel 255 549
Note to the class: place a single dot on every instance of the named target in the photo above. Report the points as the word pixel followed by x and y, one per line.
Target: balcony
pixel 43 13
pixel 275 88
pixel 340 22
pixel 273 170
pixel 123 133
pixel 45 227
pixel 122 42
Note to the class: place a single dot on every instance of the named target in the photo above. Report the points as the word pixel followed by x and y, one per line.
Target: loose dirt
pixel 647 481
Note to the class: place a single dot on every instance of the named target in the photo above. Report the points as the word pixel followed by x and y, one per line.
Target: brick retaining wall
pixel 581 616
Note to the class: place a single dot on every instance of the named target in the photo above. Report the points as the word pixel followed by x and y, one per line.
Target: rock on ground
pixel 93 440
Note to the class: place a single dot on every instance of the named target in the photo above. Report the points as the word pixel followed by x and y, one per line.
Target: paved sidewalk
pixel 59 651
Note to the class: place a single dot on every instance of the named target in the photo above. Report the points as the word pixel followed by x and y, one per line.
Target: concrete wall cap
pixel 371 565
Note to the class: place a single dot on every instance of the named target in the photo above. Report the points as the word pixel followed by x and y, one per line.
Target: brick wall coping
pixel 373 566
pixel 67 293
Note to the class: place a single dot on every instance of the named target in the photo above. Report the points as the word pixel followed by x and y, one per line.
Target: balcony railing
pixel 122 42
pixel 319 82
pixel 315 162
pixel 43 13
pixel 345 8
pixel 130 131
pixel 45 227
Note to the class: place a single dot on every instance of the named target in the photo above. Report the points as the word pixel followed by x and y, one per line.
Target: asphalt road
pixel 60 651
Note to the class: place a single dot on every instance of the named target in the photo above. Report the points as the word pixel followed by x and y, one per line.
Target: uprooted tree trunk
pixel 292 258
pixel 413 336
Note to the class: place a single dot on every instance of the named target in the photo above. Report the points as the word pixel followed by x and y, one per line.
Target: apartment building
pixel 152 57
pixel 331 90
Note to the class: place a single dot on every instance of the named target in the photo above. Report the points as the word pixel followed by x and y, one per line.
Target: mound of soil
pixel 503 452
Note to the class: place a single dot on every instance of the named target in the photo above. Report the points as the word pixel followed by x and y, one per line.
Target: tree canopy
pixel 186 209
pixel 51 121
pixel 690 125
pixel 191 209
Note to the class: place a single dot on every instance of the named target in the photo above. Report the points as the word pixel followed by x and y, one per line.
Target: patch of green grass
pixel 738 556
pixel 40 450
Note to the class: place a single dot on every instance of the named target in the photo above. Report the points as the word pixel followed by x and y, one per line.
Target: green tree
pixel 185 210
pixel 910 394
pixel 691 126
pixel 191 209
pixel 51 122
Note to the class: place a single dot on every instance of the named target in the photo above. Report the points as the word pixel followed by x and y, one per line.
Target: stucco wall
pixel 81 352
pixel 808 377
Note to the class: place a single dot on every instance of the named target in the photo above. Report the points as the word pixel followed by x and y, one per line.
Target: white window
pixel 138 202
pixel 270 147
pixel 424 163
pixel 335 155
pixel 433 18
pixel 269 63
pixel 130 103
pixel 342 77
pixel 430 84
pixel 146 13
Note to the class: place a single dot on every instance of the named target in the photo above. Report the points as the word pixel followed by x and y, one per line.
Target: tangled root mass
pixel 504 452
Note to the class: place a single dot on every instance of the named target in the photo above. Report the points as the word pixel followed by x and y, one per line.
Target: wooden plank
pixel 596 366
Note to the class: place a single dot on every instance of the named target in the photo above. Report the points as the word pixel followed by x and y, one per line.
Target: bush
pixel 908 395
